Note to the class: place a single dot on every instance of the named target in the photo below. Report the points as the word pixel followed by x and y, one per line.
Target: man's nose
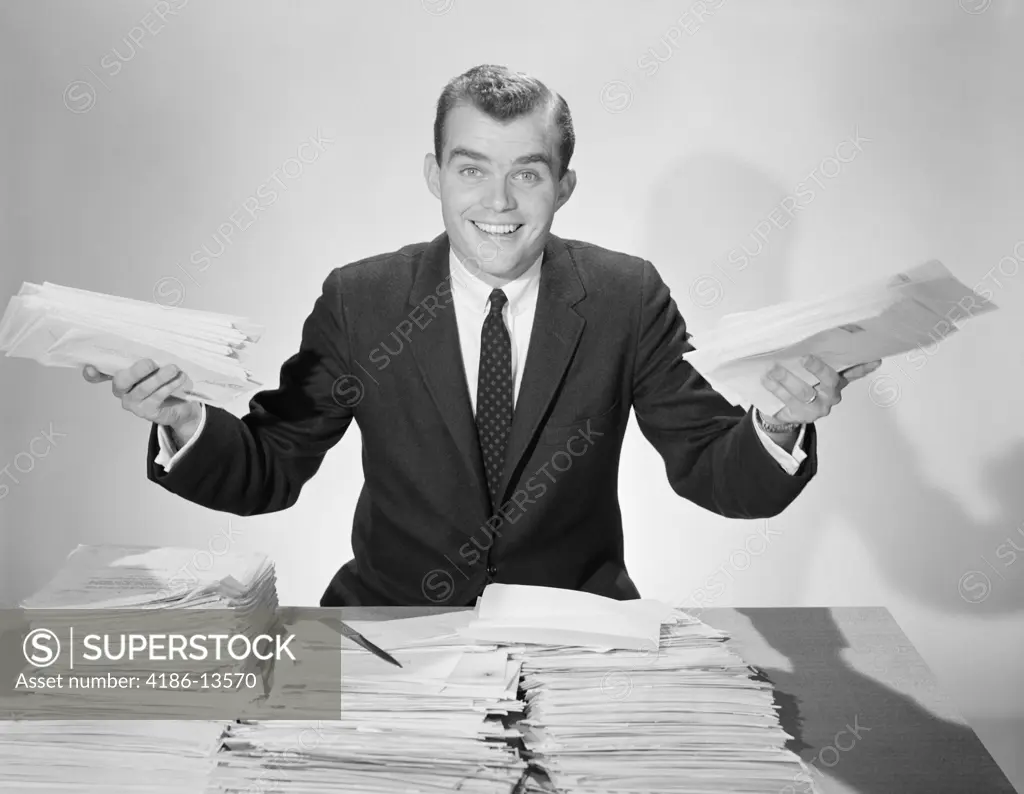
pixel 499 198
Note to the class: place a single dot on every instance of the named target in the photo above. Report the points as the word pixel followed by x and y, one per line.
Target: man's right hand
pixel 145 390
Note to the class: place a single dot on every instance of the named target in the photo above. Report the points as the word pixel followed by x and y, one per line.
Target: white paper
pixel 916 308
pixel 65 327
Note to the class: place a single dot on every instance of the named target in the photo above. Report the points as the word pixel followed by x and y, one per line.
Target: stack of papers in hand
pixel 917 308
pixel 437 724
pixel 683 714
pixel 66 327
pixel 88 739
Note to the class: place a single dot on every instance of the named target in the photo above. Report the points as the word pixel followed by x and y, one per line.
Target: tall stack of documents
pixel 66 327
pixel 135 587
pixel 635 696
pixel 917 308
pixel 110 576
pixel 109 756
pixel 439 723
pixel 193 592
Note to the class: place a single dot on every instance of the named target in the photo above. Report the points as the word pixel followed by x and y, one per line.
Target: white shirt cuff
pixel 789 462
pixel 169 454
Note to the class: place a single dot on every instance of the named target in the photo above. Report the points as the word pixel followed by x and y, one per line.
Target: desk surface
pixel 863 706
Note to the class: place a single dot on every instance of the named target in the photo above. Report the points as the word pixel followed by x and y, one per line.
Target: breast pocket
pixel 601 422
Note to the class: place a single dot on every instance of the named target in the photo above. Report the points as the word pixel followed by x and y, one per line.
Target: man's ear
pixel 566 186
pixel 432 174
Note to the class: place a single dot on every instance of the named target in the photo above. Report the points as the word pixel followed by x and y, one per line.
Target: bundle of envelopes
pixel 66 327
pixel 916 308
pixel 86 739
pixel 438 723
pixel 635 696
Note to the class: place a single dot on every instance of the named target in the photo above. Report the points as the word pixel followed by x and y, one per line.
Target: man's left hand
pixel 805 404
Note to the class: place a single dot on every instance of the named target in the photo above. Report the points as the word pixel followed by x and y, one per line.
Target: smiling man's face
pixel 499 189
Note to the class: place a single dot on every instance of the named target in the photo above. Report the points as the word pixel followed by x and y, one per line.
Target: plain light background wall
pixel 121 159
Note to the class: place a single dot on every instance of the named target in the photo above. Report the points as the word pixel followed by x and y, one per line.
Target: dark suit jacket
pixel 381 347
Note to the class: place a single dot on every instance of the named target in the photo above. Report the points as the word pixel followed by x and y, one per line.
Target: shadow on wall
pixel 711 238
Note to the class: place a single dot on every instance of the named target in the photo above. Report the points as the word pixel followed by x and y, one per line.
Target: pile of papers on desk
pixel 66 327
pixel 439 723
pixel 634 696
pixel 917 308
pixel 62 743
pixel 619 697
pixel 110 576
pixel 109 756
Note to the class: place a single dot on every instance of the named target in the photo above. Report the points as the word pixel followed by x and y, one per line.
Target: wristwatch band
pixel 775 427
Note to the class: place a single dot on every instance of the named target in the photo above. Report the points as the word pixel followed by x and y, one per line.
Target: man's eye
pixel 470 171
pixel 528 176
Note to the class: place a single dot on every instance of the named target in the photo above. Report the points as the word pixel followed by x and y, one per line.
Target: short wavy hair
pixel 503 95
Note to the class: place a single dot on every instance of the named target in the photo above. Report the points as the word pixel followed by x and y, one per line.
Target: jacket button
pixel 491 571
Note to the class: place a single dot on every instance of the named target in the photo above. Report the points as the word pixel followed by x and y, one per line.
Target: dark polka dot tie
pixel 494 394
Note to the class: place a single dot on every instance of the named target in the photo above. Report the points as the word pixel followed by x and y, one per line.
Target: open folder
pixel 916 308
pixel 66 327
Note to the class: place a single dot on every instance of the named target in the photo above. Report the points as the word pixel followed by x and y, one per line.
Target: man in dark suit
pixel 491 373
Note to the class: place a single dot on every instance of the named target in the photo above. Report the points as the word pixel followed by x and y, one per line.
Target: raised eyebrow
pixel 526 159
pixel 536 157
pixel 459 151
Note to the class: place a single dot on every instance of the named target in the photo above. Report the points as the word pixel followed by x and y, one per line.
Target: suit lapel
pixel 556 333
pixel 438 354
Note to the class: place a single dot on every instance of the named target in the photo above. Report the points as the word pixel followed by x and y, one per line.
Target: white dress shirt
pixel 470 299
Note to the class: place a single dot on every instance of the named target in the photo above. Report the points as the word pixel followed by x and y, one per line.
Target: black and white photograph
pixel 569 397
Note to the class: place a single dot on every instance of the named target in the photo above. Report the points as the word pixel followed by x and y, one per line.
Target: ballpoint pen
pixel 347 631
pixel 289 615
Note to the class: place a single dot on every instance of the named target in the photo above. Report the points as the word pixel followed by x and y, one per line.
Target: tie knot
pixel 498 300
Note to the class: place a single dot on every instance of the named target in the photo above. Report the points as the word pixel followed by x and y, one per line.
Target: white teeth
pixel 505 228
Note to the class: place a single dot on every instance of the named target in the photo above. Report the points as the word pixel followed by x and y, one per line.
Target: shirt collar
pixel 477 293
